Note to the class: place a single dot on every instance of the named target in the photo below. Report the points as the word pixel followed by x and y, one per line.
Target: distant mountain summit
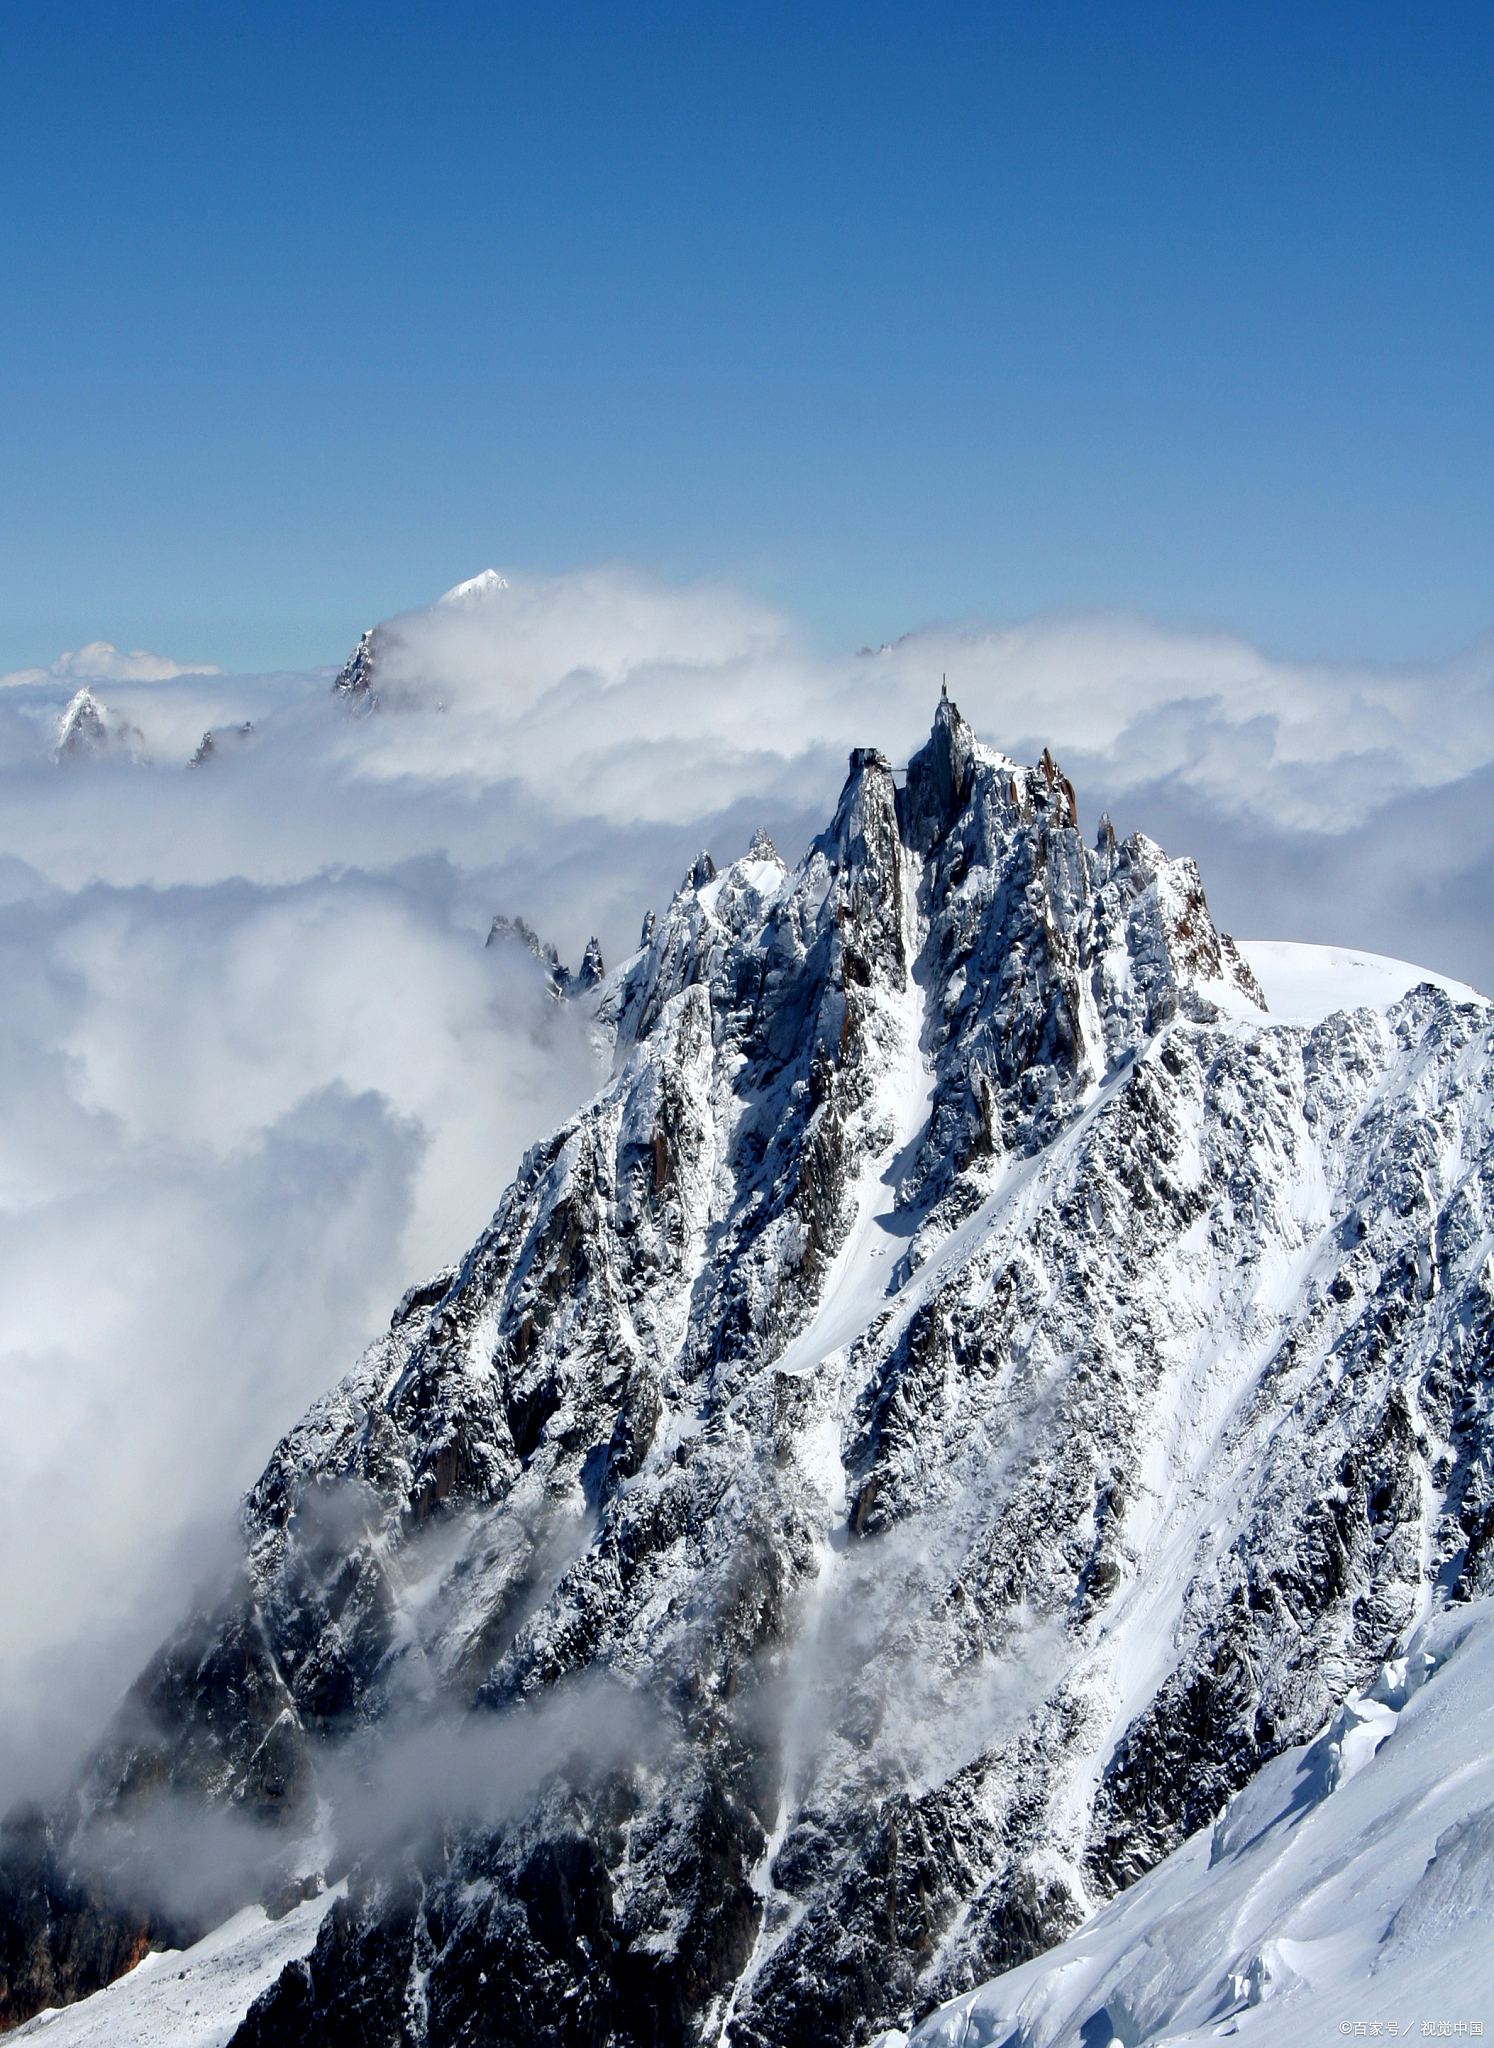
pixel 356 683
pixel 355 679
pixel 514 931
pixel 967 1392
pixel 88 731
pixel 485 584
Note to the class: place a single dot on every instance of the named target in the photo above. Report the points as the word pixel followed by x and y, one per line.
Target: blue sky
pixel 885 314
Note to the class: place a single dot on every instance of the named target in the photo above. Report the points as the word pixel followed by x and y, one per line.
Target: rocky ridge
pixel 967 1392
pixel 213 745
pixel 563 982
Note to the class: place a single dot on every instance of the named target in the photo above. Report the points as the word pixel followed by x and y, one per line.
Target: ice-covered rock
pixel 355 679
pixel 213 746
pixel 1316 1908
pixel 88 730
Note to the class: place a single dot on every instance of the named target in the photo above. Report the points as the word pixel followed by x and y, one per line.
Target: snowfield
pixel 1350 1886
pixel 1305 984
pixel 187 1998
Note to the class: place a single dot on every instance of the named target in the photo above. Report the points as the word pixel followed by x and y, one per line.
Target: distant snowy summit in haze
pixel 355 682
pixel 976 1402
pixel 563 983
pixel 88 731
pixel 484 584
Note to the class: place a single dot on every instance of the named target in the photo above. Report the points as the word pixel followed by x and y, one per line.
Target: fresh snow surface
pixel 188 1998
pixel 481 585
pixel 1305 984
pixel 1348 1888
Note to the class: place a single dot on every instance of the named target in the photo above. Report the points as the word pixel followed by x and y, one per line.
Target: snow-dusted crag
pixel 89 731
pixel 969 1391
pixel 355 679
pixel 1345 1890
pixel 514 931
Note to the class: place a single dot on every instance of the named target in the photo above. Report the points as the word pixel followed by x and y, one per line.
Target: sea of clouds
pixel 260 1071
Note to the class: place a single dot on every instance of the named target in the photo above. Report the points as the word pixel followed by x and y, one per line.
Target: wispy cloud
pixel 597 688
pixel 238 1120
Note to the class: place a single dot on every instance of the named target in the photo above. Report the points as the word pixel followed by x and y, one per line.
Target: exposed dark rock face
pixel 208 1733
pixel 968 1390
pixel 212 746
pixel 62 1933
pixel 592 972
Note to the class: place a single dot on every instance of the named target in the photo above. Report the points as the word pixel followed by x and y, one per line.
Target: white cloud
pixel 100 662
pixel 609 695
pixel 239 1120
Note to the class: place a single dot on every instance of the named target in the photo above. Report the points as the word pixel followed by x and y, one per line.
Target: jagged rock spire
pixel 89 730
pixel 938 777
pixel 82 730
pixel 355 678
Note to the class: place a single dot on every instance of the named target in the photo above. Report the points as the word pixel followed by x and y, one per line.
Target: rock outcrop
pixel 89 731
pixel 589 975
pixel 354 685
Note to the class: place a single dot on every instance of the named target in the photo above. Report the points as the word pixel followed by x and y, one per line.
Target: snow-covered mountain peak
pixel 485 584
pixel 355 679
pixel 81 729
pixel 970 1389
pixel 88 730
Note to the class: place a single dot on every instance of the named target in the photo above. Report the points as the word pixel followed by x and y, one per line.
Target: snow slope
pixel 1305 984
pixel 187 1998
pixel 1349 1886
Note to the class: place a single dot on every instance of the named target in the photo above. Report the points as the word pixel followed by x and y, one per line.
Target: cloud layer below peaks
pixel 596 686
